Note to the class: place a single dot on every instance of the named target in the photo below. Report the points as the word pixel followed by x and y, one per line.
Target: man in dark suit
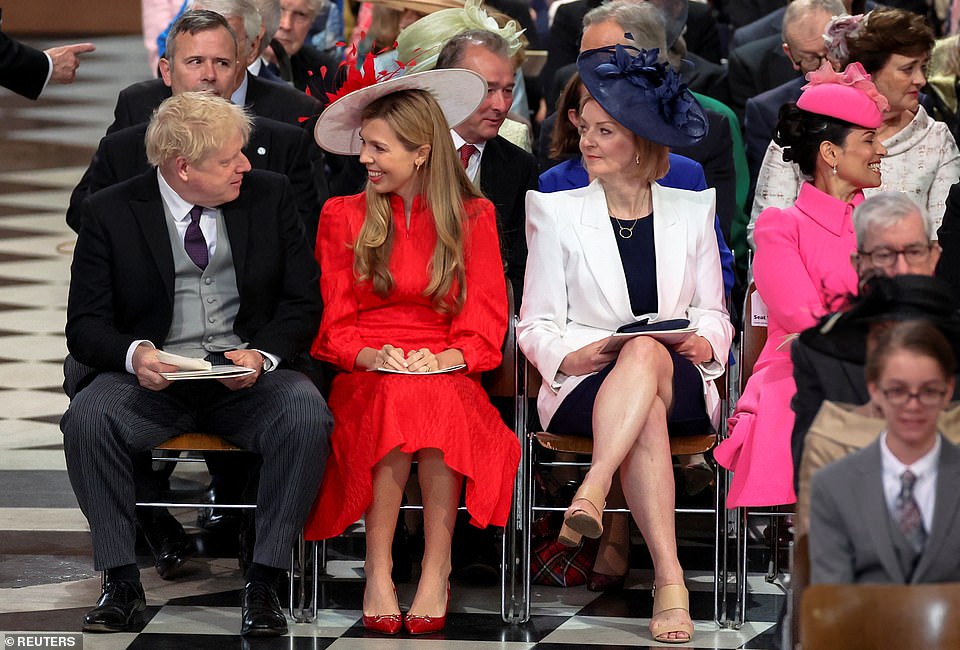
pixel 503 171
pixel 270 20
pixel 888 221
pixel 313 71
pixel 263 98
pixel 202 55
pixel 27 71
pixel 201 258
pixel 800 25
pixel 567 28
pixel 772 61
pixel 203 36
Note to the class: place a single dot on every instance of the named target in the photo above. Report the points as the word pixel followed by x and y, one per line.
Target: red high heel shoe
pixel 384 623
pixel 423 624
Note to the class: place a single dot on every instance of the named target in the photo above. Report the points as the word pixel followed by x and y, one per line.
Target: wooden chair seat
pixel 679 445
pixel 197 442
pixel 881 616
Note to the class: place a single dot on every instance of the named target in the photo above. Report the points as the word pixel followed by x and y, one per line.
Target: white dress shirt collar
pixel 239 96
pixel 473 166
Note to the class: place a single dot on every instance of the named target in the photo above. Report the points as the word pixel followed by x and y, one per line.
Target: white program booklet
pixel 183 363
pixel 441 371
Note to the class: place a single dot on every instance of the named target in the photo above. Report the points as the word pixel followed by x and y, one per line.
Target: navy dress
pixel 689 414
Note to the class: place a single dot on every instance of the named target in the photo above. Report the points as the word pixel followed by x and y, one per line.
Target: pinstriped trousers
pixel 282 417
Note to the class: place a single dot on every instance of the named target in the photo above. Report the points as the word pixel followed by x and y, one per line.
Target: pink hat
pixel 849 96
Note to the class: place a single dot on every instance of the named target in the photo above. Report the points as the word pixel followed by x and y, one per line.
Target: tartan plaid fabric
pixel 554 564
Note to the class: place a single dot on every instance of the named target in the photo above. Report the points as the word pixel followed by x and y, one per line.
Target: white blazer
pixel 575 291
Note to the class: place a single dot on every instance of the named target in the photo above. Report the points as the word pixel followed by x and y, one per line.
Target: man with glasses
pixel 802 44
pixel 894 238
pixel 311 68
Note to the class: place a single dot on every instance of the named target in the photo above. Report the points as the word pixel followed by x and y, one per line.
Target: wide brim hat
pixel 850 95
pixel 422 6
pixel 643 94
pixel 458 92
pixel 843 335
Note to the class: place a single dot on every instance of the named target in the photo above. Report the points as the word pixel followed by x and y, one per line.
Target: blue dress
pixel 688 414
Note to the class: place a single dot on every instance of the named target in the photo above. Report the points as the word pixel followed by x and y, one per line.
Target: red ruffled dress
pixel 375 412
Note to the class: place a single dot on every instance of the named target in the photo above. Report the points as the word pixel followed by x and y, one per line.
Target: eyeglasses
pixel 809 62
pixel 927 396
pixel 886 257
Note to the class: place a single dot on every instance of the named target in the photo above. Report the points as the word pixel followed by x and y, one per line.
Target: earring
pixel 638 159
pixel 834 169
pixel 419 164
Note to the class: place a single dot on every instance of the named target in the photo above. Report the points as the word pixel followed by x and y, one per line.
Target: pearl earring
pixel 834 169
pixel 638 159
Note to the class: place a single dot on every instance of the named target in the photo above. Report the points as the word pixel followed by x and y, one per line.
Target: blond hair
pixel 193 125
pixel 416 119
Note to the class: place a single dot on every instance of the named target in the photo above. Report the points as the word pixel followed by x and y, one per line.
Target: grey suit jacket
pixel 850 528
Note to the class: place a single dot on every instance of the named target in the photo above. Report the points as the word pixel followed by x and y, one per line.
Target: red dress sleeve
pixel 478 329
pixel 338 341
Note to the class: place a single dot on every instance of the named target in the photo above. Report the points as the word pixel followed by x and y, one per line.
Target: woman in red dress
pixel 413 284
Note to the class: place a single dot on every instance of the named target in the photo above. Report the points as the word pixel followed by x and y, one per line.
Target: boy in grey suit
pixel 890 513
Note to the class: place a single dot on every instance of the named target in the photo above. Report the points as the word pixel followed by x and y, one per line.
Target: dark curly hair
pixel 800 133
pixel 886 32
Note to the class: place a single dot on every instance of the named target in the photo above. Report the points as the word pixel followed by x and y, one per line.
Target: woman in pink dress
pixel 413 286
pixel 802 266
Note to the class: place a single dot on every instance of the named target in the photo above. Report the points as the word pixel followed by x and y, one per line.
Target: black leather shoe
pixel 170 551
pixel 170 545
pixel 118 609
pixel 261 611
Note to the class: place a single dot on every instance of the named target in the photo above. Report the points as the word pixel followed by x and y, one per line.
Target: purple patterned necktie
pixel 193 241
pixel 908 513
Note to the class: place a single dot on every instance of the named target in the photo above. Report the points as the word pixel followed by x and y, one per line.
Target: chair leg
pixel 515 567
pixel 303 596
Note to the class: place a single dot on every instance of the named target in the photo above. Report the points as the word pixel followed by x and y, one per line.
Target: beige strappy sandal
pixel 583 519
pixel 665 599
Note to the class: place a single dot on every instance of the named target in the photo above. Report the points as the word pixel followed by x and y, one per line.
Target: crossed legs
pixel 630 434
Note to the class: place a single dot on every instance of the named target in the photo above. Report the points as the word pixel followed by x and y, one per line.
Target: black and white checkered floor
pixel 46 574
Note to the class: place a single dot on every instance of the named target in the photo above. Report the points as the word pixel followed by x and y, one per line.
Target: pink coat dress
pixel 802 270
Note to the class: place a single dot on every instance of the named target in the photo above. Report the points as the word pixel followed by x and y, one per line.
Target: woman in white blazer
pixel 613 253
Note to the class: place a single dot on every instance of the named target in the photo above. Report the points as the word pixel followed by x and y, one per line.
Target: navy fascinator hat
pixel 643 94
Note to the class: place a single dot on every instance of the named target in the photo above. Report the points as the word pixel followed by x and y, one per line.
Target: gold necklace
pixel 623 231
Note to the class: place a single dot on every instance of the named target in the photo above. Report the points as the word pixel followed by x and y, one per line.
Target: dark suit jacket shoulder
pixel 761 116
pixel 715 154
pixel 313 70
pixel 762 27
pixel 122 276
pixel 273 146
pixel 277 101
pixel 948 268
pixel 506 173
pixel 702 34
pixel 136 103
pixel 23 69
pixel 756 67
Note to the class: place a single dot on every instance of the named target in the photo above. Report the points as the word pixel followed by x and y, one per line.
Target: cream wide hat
pixel 458 92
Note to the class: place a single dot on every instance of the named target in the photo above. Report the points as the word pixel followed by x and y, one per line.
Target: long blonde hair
pixel 417 119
